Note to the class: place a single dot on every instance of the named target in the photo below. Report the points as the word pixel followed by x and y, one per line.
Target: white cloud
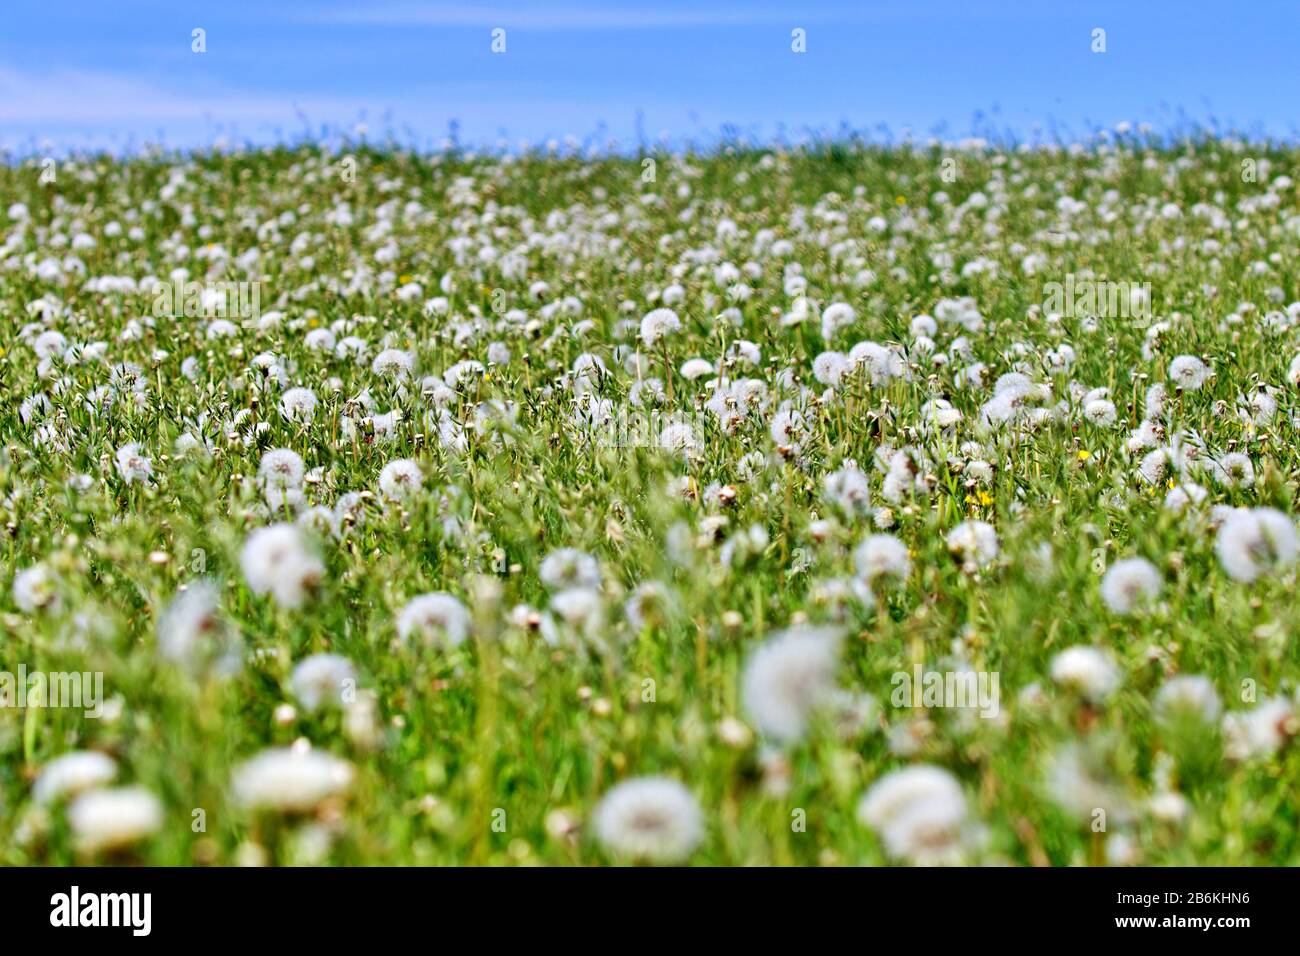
pixel 76 106
pixel 547 17
pixel 101 98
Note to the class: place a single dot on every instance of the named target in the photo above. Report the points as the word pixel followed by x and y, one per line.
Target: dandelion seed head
pixel 438 618
pixel 290 780
pixel 1129 585
pixel 788 677
pixel 658 324
pixel 1087 671
pixel 112 818
pixel 649 819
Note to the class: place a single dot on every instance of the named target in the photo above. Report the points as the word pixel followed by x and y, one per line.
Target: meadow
pixel 834 504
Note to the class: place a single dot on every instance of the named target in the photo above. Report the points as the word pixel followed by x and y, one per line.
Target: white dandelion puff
pixel 837 316
pixel 1155 466
pixel 696 368
pixel 276 560
pixel 1188 372
pixel 298 405
pixel 919 813
pixel 568 568
pixel 36 589
pixel 1100 412
pixel 848 490
pixel 133 465
pixel 882 556
pixel 651 604
pixel 394 364
pixel 680 439
pixel 1087 671
pixel 290 780
pixel 281 468
pixel 1233 470
pixel 1253 543
pixel 1188 697
pixel 322 679
pixel 658 324
pixel 193 635
pixel 72 773
pixel 1080 782
pixel 1130 585
pixel 649 819
pixel 974 542
pixel 1262 731
pixel 830 367
pixel 110 819
pixel 400 480
pixel 788 678
pixel 438 618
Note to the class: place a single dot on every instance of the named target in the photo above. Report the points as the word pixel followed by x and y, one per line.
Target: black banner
pixel 334 906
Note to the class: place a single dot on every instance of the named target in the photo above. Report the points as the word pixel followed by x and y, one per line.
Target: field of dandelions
pixel 563 509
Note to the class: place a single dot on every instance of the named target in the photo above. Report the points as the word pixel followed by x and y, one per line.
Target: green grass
pixel 510 722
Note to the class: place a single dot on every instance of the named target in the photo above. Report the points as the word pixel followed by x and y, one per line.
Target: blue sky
pixel 112 72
